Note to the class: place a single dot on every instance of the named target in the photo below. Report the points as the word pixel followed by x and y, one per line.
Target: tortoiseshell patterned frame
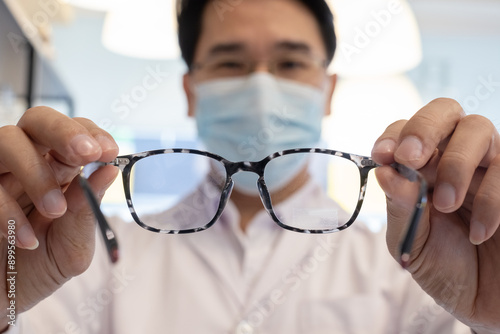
pixel 364 164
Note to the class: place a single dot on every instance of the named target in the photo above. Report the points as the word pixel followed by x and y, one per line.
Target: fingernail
pixel 384 146
pixel 54 203
pixel 445 197
pixel 410 149
pixel 26 237
pixel 477 233
pixel 106 143
pixel 84 145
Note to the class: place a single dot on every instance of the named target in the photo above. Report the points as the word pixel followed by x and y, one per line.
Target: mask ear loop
pixel 328 91
pixel 107 233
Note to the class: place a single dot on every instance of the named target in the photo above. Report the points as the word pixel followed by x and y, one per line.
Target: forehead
pixel 259 26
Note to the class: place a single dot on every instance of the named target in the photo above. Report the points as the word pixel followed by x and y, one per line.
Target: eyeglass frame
pixel 363 163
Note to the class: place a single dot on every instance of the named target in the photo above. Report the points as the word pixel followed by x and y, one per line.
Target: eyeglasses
pixel 298 66
pixel 162 198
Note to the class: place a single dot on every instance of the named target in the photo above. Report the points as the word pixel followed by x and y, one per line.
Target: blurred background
pixel 117 63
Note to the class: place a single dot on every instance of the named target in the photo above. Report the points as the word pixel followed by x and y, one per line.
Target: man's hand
pixel 54 227
pixel 456 254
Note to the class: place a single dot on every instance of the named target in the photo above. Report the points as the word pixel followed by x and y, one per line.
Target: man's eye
pixel 291 65
pixel 232 65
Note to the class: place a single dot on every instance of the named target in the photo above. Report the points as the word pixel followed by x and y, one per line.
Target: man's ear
pixel 190 96
pixel 332 82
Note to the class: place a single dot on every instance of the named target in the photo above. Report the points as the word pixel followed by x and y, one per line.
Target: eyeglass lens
pixel 176 191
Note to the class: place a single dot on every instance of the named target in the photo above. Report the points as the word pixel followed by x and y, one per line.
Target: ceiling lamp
pixel 142 29
pixel 375 37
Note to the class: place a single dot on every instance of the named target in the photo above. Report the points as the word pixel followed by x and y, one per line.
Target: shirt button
pixel 244 328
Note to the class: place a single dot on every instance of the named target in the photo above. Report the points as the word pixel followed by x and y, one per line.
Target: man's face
pixel 258 31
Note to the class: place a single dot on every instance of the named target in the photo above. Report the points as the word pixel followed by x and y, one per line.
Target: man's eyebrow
pixel 231 47
pixel 292 46
pixel 226 48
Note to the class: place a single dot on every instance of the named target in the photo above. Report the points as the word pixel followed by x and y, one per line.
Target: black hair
pixel 190 14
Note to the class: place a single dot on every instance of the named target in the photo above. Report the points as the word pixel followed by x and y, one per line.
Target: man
pixel 244 274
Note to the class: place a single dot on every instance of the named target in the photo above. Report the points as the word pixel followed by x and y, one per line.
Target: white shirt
pixel 265 281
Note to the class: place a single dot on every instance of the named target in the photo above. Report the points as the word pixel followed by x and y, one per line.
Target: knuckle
pixel 33 112
pixel 450 104
pixel 58 124
pixel 488 198
pixel 396 126
pixel 478 121
pixel 456 163
pixel 5 205
pixel 426 119
pixel 38 167
pixel 84 121
pixel 9 131
pixel 455 157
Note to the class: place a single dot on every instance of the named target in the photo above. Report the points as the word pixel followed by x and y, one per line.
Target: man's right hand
pixel 54 226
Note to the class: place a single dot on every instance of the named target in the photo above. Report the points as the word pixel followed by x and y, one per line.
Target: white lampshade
pixel 142 29
pixel 375 37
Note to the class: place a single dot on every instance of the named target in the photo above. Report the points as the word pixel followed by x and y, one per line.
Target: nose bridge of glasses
pixel 246 166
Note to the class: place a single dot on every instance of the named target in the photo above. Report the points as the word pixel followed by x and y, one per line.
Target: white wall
pixel 121 94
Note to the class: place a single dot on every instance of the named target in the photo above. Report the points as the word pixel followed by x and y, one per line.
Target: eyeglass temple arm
pixel 406 246
pixel 107 233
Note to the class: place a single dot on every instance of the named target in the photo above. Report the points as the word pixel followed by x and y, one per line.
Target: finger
pixel 401 199
pixel 385 146
pixel 426 130
pixel 32 170
pixel 461 158
pixel 397 188
pixel 14 225
pixel 42 150
pixel 72 142
pixel 109 148
pixel 429 172
pixel 71 237
pixel 64 175
pixel 485 218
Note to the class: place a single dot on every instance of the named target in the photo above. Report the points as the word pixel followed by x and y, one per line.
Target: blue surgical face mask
pixel 247 119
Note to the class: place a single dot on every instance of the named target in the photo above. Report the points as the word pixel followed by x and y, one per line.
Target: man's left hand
pixel 456 253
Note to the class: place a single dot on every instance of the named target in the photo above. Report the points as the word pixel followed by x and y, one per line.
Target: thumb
pixel 402 196
pixel 72 237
